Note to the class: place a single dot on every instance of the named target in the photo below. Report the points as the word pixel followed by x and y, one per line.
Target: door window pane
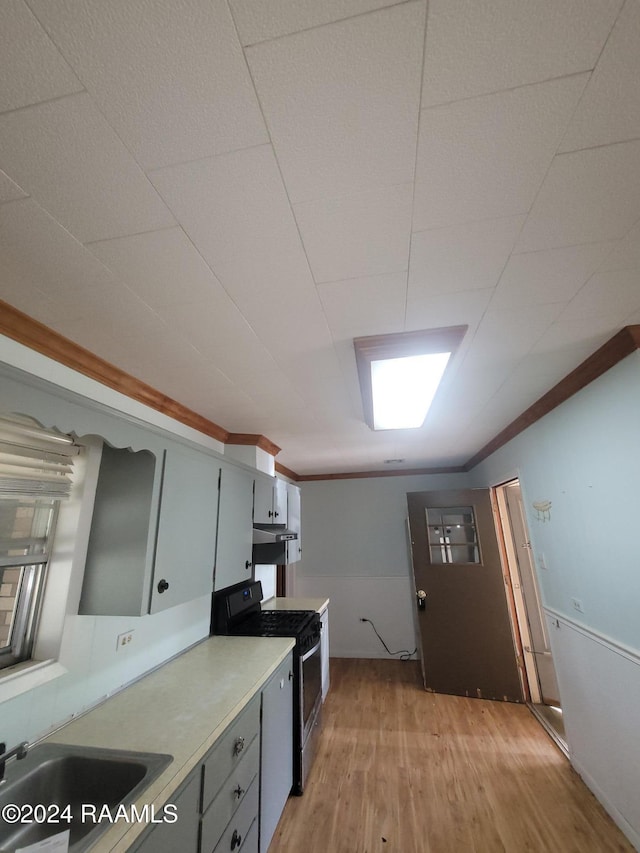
pixel 452 535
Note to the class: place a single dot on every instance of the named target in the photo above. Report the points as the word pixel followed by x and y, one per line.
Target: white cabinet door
pixel 263 499
pixel 280 502
pixel 235 527
pixel 276 769
pixel 270 500
pixel 186 540
pixel 294 547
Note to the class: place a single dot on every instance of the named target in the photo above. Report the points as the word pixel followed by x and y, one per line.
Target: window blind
pixel 34 462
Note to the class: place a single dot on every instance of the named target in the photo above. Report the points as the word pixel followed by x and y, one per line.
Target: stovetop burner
pixel 237 611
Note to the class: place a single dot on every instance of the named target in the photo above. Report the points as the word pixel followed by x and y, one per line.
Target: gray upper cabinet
pixel 153 531
pixel 186 538
pixel 270 502
pixel 294 547
pixel 235 527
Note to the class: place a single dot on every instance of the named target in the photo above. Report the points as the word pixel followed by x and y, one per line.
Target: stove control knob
pixel 238 746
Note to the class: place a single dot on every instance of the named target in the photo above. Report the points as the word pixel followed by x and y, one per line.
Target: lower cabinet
pixel 276 769
pixel 181 833
pixel 233 799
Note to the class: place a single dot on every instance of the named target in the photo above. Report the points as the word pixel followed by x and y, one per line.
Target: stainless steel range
pixel 237 610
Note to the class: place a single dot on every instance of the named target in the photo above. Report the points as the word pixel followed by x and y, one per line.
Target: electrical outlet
pixel 124 639
pixel 577 605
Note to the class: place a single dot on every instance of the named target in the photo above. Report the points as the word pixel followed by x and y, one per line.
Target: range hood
pixel 270 543
pixel 264 533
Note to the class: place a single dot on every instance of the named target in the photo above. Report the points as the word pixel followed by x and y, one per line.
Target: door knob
pixel 421 597
pixel 163 586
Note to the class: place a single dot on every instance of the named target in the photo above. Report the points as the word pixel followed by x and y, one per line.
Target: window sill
pixel 28 675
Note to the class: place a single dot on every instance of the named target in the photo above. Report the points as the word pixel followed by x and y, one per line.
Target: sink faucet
pixel 19 751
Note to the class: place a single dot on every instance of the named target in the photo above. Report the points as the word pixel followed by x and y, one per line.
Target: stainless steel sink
pixel 55 776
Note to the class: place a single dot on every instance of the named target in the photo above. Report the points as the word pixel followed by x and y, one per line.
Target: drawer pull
pixel 238 746
pixel 238 791
pixel 236 839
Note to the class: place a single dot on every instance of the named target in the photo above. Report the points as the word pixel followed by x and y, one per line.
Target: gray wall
pixel 355 551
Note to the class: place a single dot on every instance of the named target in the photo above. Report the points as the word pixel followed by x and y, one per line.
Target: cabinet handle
pixel 269 514
pixel 290 676
pixel 163 586
pixel 238 746
pixel 238 791
pixel 276 514
pixel 236 839
pixel 247 565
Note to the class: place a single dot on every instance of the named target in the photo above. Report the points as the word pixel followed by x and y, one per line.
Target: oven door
pixel 310 688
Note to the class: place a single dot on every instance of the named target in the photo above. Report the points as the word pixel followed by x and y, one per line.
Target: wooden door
pixel 463 618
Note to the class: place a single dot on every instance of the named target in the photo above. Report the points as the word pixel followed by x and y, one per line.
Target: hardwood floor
pixel 399 769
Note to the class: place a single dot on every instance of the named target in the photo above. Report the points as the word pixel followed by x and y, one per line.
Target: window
pixel 452 535
pixel 35 475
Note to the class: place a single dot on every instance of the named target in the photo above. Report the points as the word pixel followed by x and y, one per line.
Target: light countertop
pixel 317 604
pixel 181 708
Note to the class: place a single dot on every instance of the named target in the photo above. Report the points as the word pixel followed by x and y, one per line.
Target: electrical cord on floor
pixel 405 654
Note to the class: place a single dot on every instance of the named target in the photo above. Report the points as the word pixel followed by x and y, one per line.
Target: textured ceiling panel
pixel 219 196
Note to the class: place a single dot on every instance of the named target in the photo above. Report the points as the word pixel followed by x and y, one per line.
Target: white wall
pixel 584 457
pixel 355 551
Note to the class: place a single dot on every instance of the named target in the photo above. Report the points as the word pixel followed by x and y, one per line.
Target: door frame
pixel 517 609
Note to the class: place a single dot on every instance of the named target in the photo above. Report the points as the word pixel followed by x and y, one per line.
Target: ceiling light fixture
pixel 400 374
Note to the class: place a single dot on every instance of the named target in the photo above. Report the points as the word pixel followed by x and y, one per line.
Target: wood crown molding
pixel 35 335
pixel 622 344
pixel 287 472
pixel 361 475
pixel 251 440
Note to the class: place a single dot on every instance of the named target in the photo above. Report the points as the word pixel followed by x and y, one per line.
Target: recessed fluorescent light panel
pixel 403 388
pixel 400 374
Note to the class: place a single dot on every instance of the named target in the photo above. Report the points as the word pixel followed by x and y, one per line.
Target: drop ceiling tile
pixel 120 311
pixel 372 305
pixel 487 157
pixel 171 79
pixel 162 267
pixel 65 155
pixel 508 334
pixel 260 20
pixel 607 295
pixel 549 275
pixel 431 311
pixel 35 251
pixel 359 235
pixel 218 330
pixel 461 257
pixel 9 190
pixel 609 110
pixel 569 335
pixel 236 212
pixel 480 46
pixel 587 197
pixel 626 252
pixel 341 101
pixel 31 68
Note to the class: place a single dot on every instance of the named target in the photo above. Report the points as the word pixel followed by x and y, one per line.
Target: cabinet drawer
pixel 230 750
pixel 250 843
pixel 234 789
pixel 240 824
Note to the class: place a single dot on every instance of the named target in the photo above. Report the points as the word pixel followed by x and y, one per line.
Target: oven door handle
pixel 311 652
